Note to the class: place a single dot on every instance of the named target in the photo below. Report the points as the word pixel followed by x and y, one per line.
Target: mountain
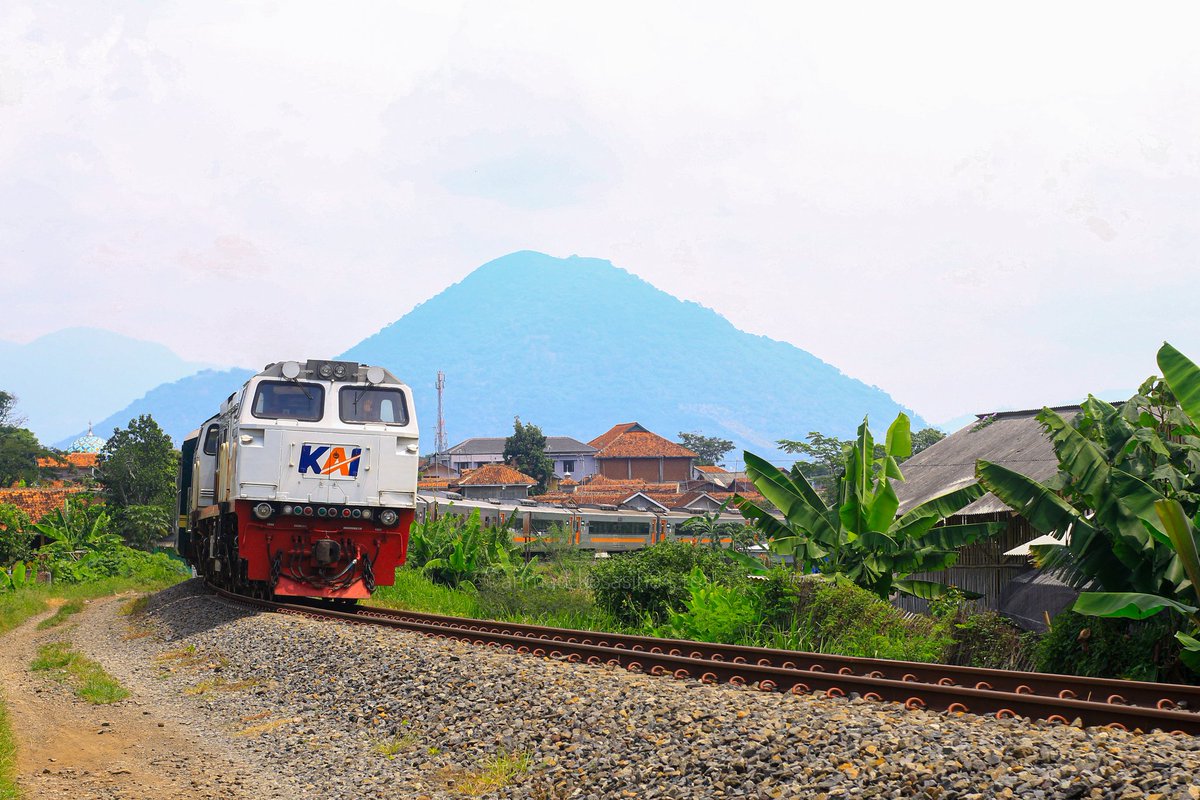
pixel 576 345
pixel 68 377
pixel 177 407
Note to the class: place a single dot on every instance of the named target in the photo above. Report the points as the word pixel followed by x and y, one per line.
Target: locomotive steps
pixel 327 710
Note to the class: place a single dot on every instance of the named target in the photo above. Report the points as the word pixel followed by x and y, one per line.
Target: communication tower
pixel 441 443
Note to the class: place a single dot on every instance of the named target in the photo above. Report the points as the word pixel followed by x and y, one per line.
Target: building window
pixel 568 466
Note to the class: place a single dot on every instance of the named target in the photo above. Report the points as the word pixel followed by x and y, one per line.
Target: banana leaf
pixel 795 499
pixel 1077 454
pixel 1128 605
pixel 1183 377
pixel 917 521
pixel 1044 509
pixel 928 590
pixel 1183 538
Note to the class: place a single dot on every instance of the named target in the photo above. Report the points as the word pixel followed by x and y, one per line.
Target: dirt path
pixel 67 747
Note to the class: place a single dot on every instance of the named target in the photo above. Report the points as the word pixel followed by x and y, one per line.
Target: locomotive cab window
pixel 363 404
pixel 210 440
pixel 289 400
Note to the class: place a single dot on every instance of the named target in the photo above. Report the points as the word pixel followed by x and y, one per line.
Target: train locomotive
pixel 303 484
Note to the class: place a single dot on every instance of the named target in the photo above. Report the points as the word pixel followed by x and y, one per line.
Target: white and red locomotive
pixel 304 483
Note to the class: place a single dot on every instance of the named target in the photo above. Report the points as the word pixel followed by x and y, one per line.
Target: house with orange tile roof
pixel 69 467
pixel 629 450
pixel 494 482
pixel 38 502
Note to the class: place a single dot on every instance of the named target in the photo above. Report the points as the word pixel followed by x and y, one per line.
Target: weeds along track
pixel 1130 705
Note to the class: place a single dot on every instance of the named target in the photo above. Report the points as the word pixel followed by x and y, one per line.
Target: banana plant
pixel 16 578
pixel 860 538
pixel 1117 505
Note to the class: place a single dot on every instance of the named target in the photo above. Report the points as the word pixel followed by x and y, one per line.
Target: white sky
pixel 971 207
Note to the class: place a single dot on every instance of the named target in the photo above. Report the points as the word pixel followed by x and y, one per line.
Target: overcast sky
pixel 969 208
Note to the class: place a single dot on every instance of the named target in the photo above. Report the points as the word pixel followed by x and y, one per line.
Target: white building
pixel 570 456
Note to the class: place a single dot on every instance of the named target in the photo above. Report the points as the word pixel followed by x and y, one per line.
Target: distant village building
pixel 997 568
pixel 493 482
pixel 570 457
pixel 629 451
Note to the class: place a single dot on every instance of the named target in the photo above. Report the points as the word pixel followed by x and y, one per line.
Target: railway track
pixel 1130 705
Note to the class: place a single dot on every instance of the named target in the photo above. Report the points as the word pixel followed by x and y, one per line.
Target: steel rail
pixel 909 690
pixel 1137 693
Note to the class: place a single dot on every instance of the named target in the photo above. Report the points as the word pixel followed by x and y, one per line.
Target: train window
pixel 210 440
pixel 289 400
pixel 366 404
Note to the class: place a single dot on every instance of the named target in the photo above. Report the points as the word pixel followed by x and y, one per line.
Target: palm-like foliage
pixel 1123 502
pixel 77 527
pixel 860 537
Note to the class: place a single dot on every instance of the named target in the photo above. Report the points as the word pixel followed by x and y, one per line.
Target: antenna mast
pixel 441 444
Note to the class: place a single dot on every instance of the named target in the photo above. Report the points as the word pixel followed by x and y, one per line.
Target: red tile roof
pixel 433 483
pixel 568 482
pixel 495 475
pixel 37 503
pixel 631 440
pixel 80 460
pixel 710 468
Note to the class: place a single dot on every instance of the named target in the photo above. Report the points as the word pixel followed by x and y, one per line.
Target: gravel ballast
pixel 342 711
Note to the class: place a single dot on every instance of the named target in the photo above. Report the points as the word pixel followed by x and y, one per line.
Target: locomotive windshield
pixel 289 400
pixel 367 404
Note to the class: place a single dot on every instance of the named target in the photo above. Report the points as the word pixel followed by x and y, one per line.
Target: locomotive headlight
pixel 263 510
pixel 388 517
pixel 339 371
pixel 326 371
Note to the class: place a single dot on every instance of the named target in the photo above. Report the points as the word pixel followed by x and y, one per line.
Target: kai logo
pixel 330 461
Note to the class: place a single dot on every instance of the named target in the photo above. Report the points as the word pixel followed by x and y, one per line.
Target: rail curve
pixel 1129 705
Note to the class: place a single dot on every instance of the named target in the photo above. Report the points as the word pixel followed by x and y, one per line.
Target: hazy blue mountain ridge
pixel 178 407
pixel 577 345
pixel 66 378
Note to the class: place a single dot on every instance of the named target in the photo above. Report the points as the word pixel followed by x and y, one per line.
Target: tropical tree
pixel 710 449
pixel 860 538
pixel 19 454
pixel 826 456
pixel 924 438
pixel 526 451
pixel 137 470
pixel 1124 503
pixel 710 526
pixel 15 535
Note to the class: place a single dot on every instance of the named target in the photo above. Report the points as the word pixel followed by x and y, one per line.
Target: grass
pixel 394 745
pixel 264 727
pixel 89 680
pixel 65 610
pixel 8 758
pixel 219 684
pixel 496 773
pixel 18 606
pixel 136 606
pixel 551 605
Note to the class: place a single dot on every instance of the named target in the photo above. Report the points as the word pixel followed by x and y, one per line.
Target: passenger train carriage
pixel 304 483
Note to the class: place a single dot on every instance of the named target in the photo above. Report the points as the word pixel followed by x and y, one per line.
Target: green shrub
pixel 652 582
pixel 1113 648
pixel 831 616
pixel 120 561
pixel 713 613
pixel 987 639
